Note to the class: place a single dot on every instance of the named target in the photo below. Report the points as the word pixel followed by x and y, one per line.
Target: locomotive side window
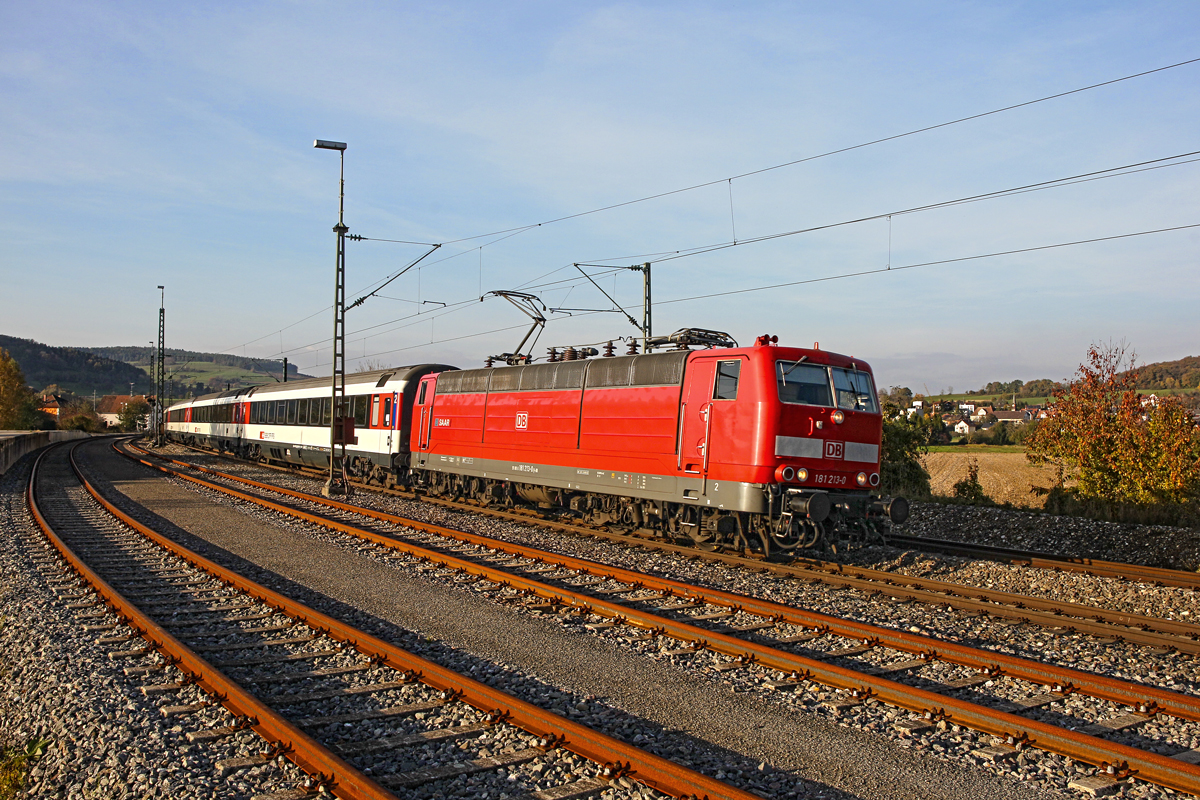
pixel 421 399
pixel 803 383
pixel 854 390
pixel 727 380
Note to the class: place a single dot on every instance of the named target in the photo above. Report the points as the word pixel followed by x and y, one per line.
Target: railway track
pixel 1009 697
pixel 278 666
pixel 1107 569
pixel 1059 615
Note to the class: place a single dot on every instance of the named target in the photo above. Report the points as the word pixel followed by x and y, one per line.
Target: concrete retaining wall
pixel 14 444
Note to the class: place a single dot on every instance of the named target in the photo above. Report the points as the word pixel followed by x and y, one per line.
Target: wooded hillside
pixel 75 369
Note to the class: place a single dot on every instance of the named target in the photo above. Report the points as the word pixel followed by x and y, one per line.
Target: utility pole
pixel 646 307
pixel 337 483
pixel 285 369
pixel 160 410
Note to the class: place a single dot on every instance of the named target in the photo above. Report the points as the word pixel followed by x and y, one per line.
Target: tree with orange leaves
pixel 1118 446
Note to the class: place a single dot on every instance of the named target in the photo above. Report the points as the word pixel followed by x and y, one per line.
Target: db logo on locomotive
pixel 834 449
pixel 522 420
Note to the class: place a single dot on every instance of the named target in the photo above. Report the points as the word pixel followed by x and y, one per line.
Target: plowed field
pixel 1005 477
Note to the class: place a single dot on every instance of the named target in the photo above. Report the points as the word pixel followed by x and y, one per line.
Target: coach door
pixel 706 413
pixel 424 404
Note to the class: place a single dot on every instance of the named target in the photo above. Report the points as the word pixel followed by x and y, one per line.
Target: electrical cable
pixel 926 264
pixel 838 151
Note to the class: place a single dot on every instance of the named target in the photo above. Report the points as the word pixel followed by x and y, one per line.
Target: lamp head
pixel 322 144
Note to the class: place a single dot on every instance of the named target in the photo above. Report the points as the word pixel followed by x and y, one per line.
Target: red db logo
pixel 834 449
pixel 522 420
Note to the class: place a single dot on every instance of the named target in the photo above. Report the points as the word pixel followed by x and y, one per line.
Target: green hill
pixel 191 373
pixel 74 369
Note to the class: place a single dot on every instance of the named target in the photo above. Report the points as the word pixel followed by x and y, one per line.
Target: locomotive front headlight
pixel 862 479
pixel 802 474
pixel 874 478
pixel 838 417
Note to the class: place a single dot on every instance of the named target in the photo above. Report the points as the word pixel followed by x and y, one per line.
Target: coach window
pixel 375 411
pixel 727 380
pixel 326 412
pixel 291 417
pixel 360 411
pixel 281 412
pixel 302 413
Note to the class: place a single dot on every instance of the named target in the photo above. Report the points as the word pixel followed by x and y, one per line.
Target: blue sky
pixel 151 143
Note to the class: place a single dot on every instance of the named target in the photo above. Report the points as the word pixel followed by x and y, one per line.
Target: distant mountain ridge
pixel 143 353
pixel 1183 373
pixel 74 368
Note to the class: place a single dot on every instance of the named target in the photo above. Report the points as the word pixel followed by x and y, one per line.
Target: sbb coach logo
pixel 522 420
pixel 834 449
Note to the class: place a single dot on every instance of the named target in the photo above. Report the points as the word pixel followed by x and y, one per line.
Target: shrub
pixel 900 471
pixel 1117 449
pixel 969 488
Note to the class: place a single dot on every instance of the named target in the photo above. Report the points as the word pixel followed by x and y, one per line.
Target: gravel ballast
pixel 1118 660
pixel 750 739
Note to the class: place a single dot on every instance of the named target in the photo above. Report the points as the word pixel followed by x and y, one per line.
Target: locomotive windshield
pixel 803 383
pixel 817 385
pixel 854 390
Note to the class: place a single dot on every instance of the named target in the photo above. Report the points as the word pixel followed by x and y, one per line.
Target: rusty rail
pixel 1093 566
pixel 337 775
pixel 617 757
pixel 1117 758
pixel 1105 623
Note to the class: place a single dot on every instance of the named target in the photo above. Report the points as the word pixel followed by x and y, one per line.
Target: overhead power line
pixel 828 153
pixel 509 232
pixel 926 264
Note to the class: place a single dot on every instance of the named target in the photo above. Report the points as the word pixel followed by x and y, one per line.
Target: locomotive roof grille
pixel 651 369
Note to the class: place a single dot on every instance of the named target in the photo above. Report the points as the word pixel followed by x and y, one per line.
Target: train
pixel 766 449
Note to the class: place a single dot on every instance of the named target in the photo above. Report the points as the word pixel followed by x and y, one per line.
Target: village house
pixel 1014 417
pixel 110 406
pixel 981 411
pixel 51 404
pixel 964 427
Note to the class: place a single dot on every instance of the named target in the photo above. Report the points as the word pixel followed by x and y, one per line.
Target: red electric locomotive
pixel 764 448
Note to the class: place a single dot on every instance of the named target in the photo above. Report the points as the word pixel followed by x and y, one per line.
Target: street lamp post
pixel 340 434
pixel 160 378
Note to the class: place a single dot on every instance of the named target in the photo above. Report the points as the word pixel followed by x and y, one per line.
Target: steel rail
pixel 1101 622
pixel 1112 569
pixel 617 757
pixel 1136 695
pixel 1114 757
pixel 336 774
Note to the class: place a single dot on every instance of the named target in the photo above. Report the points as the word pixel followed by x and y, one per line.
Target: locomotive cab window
pixel 854 390
pixel 726 387
pixel 421 399
pixel 807 384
